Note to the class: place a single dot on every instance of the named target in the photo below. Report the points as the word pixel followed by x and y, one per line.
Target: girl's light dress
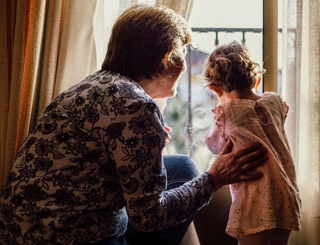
pixel 272 201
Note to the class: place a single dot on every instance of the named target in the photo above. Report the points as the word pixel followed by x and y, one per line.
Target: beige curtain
pixel 182 7
pixel 46 47
pixel 43 91
pixel 301 81
pixel 77 52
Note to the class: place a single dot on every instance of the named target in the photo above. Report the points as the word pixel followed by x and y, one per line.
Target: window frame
pixel 270 45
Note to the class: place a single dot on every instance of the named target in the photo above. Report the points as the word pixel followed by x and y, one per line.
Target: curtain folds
pixel 43 92
pixel 21 28
pixel 77 52
pixel 301 80
pixel 182 7
pixel 46 46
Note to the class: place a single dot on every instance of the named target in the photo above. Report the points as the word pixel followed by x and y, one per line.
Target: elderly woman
pixel 94 158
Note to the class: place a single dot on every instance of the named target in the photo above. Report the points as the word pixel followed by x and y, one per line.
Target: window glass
pixel 190 114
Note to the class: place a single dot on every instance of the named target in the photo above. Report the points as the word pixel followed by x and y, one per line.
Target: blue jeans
pixel 180 169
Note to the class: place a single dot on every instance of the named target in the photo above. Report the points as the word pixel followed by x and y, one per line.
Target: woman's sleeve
pixel 215 137
pixel 138 156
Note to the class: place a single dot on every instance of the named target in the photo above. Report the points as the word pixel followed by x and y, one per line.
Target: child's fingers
pixel 168 130
pixel 168 139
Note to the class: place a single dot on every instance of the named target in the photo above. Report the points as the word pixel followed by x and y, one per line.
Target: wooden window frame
pixel 270 45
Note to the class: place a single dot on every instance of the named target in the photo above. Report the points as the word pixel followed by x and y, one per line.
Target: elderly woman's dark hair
pixel 231 67
pixel 141 38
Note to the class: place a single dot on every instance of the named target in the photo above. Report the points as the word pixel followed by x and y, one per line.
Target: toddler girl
pixel 264 211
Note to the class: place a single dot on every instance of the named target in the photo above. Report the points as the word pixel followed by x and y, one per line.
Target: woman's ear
pixel 165 61
pixel 216 89
pixel 173 65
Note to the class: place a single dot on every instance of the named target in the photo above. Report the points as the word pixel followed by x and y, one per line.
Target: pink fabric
pixel 272 201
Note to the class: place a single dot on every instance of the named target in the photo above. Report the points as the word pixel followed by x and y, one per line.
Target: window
pixel 213 23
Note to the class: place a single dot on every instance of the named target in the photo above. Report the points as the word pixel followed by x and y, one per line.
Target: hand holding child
pixel 231 167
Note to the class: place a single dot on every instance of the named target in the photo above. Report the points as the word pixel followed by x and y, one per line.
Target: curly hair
pixel 231 67
pixel 140 39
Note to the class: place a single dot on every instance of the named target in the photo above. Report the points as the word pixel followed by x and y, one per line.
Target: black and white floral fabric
pixel 93 159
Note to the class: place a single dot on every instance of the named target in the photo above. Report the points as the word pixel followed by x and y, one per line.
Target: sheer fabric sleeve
pixel 284 107
pixel 138 157
pixel 285 110
pixel 215 138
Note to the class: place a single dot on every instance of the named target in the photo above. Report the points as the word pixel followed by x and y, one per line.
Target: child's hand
pixel 168 130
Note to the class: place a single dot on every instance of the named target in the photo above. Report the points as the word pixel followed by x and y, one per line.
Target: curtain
pixel 182 7
pixel 301 80
pixel 77 52
pixel 22 24
pixel 46 46
pixel 49 49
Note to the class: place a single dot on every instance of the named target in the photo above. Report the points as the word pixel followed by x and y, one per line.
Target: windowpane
pixel 213 22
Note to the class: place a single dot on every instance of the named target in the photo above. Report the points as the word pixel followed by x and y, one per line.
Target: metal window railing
pixel 217 31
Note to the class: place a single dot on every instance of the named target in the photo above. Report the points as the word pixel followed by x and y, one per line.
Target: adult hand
pixel 231 167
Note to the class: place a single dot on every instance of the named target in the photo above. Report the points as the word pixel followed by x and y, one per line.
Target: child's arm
pixel 215 138
pixel 285 109
pixel 214 141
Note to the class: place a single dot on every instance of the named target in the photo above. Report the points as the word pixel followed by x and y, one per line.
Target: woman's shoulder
pixel 118 85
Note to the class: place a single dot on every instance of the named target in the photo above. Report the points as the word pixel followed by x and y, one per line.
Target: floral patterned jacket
pixel 93 158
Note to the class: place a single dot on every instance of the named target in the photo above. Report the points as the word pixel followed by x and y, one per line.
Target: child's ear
pixel 216 89
pixel 257 83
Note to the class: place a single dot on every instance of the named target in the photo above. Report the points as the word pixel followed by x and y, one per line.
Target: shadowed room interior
pixel 48 46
